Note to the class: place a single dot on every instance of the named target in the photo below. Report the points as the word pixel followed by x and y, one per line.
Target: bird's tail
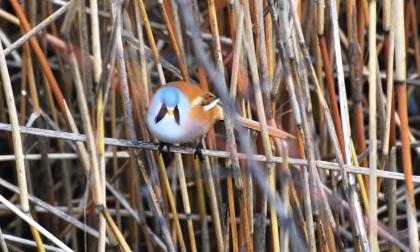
pixel 274 132
pixel 251 124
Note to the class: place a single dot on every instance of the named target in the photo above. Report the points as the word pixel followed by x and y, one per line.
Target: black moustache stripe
pixel 176 114
pixel 161 114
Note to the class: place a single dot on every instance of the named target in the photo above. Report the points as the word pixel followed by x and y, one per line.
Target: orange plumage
pixel 180 112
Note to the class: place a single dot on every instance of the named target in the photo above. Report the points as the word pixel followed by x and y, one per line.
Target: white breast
pixel 167 130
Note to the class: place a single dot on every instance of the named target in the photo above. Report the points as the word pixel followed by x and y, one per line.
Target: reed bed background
pixel 79 170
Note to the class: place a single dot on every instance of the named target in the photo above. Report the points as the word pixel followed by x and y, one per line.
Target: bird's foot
pixel 162 145
pixel 199 152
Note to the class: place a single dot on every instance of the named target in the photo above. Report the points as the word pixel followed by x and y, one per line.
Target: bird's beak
pixel 170 112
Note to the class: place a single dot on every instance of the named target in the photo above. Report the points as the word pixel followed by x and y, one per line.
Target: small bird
pixel 181 112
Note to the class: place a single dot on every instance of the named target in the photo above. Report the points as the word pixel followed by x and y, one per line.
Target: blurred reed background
pixel 80 171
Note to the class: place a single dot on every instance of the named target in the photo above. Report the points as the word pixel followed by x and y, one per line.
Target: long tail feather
pixel 251 124
pixel 274 132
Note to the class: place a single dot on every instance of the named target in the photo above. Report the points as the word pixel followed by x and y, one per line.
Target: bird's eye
pixel 161 114
pixel 176 114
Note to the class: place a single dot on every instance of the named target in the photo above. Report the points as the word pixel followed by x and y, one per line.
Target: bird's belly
pixel 169 131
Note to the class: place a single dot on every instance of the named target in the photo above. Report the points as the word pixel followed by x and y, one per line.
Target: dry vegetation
pixel 79 170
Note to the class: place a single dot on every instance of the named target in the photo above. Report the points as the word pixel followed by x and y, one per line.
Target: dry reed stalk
pixel 269 40
pixel 389 59
pixel 232 92
pixel 319 73
pixel 141 77
pixel 264 103
pixel 205 246
pixel 414 33
pixel 262 112
pixel 321 206
pixel 23 101
pixel 100 145
pixel 247 199
pixel 388 160
pixel 172 203
pixel 282 149
pixel 356 78
pixel 154 203
pixel 37 110
pixel 357 221
pixel 206 152
pixel 332 95
pixel 363 192
pixel 100 151
pixel 313 77
pixel 232 215
pixel 211 136
pixel 282 32
pixel 3 244
pixel 174 17
pixel 25 242
pixel 142 55
pixel 16 57
pixel 17 145
pixel 9 17
pixel 213 203
pixel 38 28
pixel 174 187
pixel 400 82
pixel 35 225
pixel 246 209
pixel 303 142
pixel 373 158
pixel 381 232
pixel 231 143
pixel 31 80
pixel 96 183
pixel 358 108
pixel 174 41
pixel 329 74
pixel 151 39
pixel 236 14
pixel 115 229
pixel 185 200
pixel 217 50
pixel 327 114
pixel 96 43
pixel 218 81
pixel 52 82
pixel 51 209
pixel 390 193
pixel 237 53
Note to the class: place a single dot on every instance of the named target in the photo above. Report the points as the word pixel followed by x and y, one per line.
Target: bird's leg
pixel 199 152
pixel 162 145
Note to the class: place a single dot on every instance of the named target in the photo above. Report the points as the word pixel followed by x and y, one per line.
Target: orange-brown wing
pixel 203 104
pixel 190 90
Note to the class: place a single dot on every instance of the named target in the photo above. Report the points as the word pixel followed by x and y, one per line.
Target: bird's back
pixel 199 99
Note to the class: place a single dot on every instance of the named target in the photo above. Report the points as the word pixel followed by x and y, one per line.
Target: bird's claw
pixel 161 146
pixel 199 153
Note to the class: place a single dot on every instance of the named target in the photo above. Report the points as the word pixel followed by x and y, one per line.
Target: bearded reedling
pixel 181 112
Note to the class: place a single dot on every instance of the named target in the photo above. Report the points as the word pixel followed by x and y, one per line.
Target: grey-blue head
pixel 169 96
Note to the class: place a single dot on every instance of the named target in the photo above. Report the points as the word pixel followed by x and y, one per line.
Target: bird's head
pixel 169 97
